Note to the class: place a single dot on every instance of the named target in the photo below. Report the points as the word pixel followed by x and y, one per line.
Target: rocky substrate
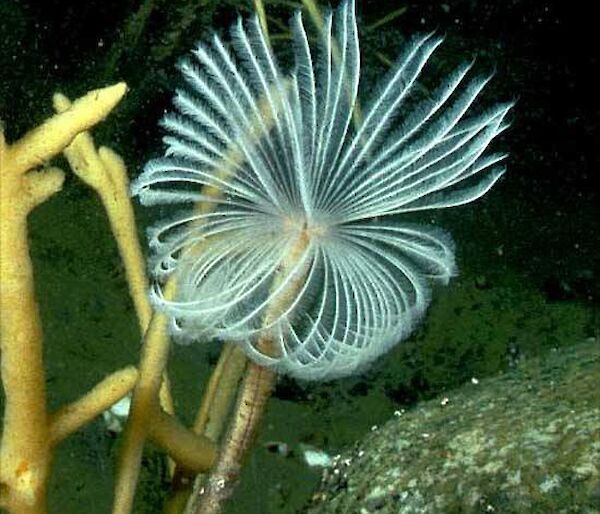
pixel 526 441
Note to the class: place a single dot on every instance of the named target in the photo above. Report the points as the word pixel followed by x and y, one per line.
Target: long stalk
pixel 25 453
pixel 155 351
pixel 254 393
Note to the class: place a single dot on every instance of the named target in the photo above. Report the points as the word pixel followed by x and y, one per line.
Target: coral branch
pixel 25 452
pixel 50 138
pixel 220 392
pixel 145 397
pixel 193 452
pixel 41 185
pixel 70 418
pixel 105 172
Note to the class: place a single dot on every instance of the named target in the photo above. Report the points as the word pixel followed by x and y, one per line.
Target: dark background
pixel 544 53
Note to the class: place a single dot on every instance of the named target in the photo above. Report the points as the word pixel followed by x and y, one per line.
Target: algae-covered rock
pixel 527 441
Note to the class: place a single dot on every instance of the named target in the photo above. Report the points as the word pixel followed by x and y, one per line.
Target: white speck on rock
pixel 317 458
pixel 550 483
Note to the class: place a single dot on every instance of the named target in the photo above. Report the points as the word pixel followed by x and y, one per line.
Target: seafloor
pixel 523 441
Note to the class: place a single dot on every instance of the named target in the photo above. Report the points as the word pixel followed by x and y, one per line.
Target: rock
pixel 527 441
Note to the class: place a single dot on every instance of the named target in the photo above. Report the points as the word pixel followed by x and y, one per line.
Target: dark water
pixel 528 252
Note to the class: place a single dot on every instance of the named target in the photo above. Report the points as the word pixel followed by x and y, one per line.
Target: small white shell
pixel 115 417
pixel 316 458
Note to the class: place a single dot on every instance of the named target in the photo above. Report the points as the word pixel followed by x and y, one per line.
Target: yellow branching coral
pixel 104 171
pixel 30 432
pixel 25 449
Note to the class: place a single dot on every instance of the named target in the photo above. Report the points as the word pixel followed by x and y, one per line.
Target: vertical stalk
pixel 255 391
pixel 155 352
pixel 25 453
pixel 217 402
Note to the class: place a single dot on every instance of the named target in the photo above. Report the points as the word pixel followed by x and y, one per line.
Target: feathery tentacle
pixel 263 159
